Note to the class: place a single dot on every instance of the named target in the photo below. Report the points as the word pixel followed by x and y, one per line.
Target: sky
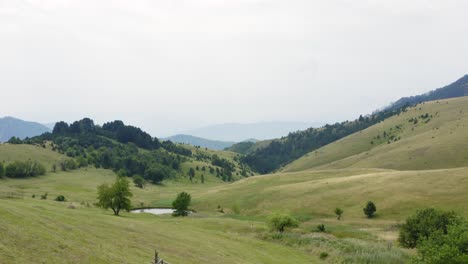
pixel 174 65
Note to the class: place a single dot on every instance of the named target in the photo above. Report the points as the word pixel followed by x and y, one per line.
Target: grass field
pixel 436 142
pixel 48 232
pixel 400 164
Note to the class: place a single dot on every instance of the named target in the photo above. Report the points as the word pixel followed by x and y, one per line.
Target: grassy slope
pixel 315 194
pixel 45 231
pixel 440 143
pixel 47 157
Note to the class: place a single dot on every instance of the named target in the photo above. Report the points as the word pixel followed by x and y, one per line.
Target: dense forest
pixel 282 151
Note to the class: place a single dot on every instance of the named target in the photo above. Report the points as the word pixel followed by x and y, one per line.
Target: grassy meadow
pixel 402 165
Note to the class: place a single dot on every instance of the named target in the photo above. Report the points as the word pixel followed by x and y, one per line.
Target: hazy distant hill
pixel 202 142
pixel 456 89
pixel 13 127
pixel 240 132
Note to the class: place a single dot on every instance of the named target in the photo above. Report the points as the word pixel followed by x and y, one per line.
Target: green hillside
pixel 438 139
pixel 10 153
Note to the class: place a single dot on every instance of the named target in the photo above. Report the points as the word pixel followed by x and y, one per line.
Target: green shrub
pixel 321 228
pixel 44 196
pixel 323 255
pixel 450 247
pixel 23 169
pixel 60 198
pixel 279 222
pixel 370 209
pixel 424 223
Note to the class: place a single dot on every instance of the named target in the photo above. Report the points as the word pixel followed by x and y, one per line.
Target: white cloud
pixel 171 64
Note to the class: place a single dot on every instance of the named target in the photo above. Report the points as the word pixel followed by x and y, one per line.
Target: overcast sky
pixel 171 65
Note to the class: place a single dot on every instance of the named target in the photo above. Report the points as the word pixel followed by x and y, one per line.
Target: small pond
pixel 155 211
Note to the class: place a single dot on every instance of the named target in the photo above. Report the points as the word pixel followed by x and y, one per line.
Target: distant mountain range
pixel 456 89
pixel 233 132
pixel 13 127
pixel 202 142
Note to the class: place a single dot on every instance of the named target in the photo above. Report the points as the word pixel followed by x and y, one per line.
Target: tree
pixel 138 181
pixel 157 173
pixel 202 178
pixel 2 170
pixel 181 204
pixel 441 248
pixel 424 223
pixel 370 209
pixel 338 212
pixel 115 197
pixel 279 222
pixel 191 173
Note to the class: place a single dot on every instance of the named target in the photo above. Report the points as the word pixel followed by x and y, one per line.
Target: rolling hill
pixel 13 127
pixel 202 142
pixel 432 135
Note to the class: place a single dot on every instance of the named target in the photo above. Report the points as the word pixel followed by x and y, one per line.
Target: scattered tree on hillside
pixel 181 204
pixel 2 170
pixel 423 224
pixel 115 197
pixel 279 222
pixel 339 213
pixel 191 173
pixel 138 181
pixel 202 178
pixel 370 209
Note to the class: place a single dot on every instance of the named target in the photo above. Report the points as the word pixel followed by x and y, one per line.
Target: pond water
pixel 155 211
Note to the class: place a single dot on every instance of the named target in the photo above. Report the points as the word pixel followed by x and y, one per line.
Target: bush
pixel 181 204
pixel 44 196
pixel 424 223
pixel 20 169
pixel 323 255
pixel 279 222
pixel 60 198
pixel 440 248
pixel 370 209
pixel 321 228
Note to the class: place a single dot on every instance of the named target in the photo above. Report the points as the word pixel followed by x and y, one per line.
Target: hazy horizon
pixel 171 66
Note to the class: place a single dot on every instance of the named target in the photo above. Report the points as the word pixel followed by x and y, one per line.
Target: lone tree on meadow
pixel 181 204
pixel 339 213
pixel 370 209
pixel 279 222
pixel 115 197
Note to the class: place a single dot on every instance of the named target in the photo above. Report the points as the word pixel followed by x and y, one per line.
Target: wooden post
pixel 156 257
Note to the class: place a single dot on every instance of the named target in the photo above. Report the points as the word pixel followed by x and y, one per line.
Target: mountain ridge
pixel 15 127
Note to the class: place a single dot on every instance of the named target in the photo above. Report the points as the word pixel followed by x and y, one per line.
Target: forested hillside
pixel 129 151
pixel 456 89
